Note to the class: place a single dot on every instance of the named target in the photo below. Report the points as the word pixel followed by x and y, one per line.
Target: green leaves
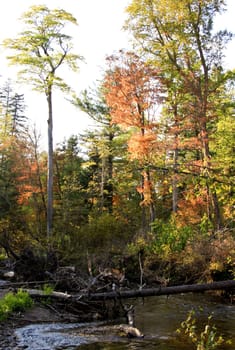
pixel 40 15
pixel 43 47
pixel 14 303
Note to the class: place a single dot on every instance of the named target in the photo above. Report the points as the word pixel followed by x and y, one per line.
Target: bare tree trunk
pixel 50 167
pixel 109 181
pixel 191 288
pixel 175 191
pixel 41 207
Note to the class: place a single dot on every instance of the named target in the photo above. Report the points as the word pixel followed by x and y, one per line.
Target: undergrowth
pixel 14 303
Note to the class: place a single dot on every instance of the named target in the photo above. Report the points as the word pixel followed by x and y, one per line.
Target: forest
pixel 148 194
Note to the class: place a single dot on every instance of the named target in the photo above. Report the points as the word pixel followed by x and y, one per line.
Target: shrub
pixel 14 303
pixel 207 339
pixel 169 238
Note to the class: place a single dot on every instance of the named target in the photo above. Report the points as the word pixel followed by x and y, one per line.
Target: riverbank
pixel 48 309
pixel 157 318
pixel 37 314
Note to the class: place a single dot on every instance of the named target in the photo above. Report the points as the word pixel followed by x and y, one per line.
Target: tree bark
pixel 50 167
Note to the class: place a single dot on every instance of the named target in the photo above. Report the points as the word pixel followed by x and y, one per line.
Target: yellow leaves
pixel 216 266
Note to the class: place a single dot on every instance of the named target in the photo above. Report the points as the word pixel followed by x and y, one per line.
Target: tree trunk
pixel 50 167
pixel 41 208
pixel 152 212
pixel 175 190
pixel 195 288
pixel 109 181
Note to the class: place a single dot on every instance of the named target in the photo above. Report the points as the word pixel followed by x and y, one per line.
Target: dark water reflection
pixel 157 317
pixel 162 315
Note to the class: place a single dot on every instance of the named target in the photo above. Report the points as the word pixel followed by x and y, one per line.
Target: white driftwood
pixel 41 293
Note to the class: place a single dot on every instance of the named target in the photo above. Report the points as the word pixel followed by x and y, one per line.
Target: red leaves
pixel 141 146
pixel 132 90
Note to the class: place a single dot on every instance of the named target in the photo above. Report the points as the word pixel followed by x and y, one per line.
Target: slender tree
pixel 13 124
pixel 13 109
pixel 41 49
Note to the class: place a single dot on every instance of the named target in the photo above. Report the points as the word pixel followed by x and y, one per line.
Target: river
pixel 156 317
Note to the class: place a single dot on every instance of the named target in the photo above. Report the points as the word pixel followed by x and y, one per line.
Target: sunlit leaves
pixel 179 39
pixel 132 90
pixel 43 47
pixel 142 146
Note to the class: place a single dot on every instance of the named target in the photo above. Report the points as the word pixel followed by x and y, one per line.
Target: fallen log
pixel 135 293
pixel 61 303
pixel 40 293
pixel 141 293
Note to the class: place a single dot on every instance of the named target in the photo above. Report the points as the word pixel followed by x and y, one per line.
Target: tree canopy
pixel 43 47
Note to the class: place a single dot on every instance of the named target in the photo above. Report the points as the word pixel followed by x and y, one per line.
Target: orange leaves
pixel 26 171
pixel 190 144
pixel 26 192
pixel 24 181
pixel 131 90
pixel 142 145
pixel 192 209
pixel 145 190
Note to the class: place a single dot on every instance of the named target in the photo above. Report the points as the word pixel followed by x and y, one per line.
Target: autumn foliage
pixel 154 178
pixel 132 91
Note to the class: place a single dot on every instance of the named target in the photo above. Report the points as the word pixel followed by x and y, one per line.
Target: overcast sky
pixel 99 34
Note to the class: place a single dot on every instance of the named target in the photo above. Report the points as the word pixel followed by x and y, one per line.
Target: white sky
pixel 99 34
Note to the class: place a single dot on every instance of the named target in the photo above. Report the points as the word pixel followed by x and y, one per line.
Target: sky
pixel 98 34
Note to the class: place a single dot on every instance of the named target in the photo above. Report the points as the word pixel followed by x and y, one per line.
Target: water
pixel 48 337
pixel 157 317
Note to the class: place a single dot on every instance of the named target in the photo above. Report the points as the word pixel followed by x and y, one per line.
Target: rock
pixel 131 332
pixel 9 274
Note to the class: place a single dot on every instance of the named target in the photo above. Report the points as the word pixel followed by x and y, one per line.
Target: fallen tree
pixel 195 288
pixel 136 293
pixel 109 305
